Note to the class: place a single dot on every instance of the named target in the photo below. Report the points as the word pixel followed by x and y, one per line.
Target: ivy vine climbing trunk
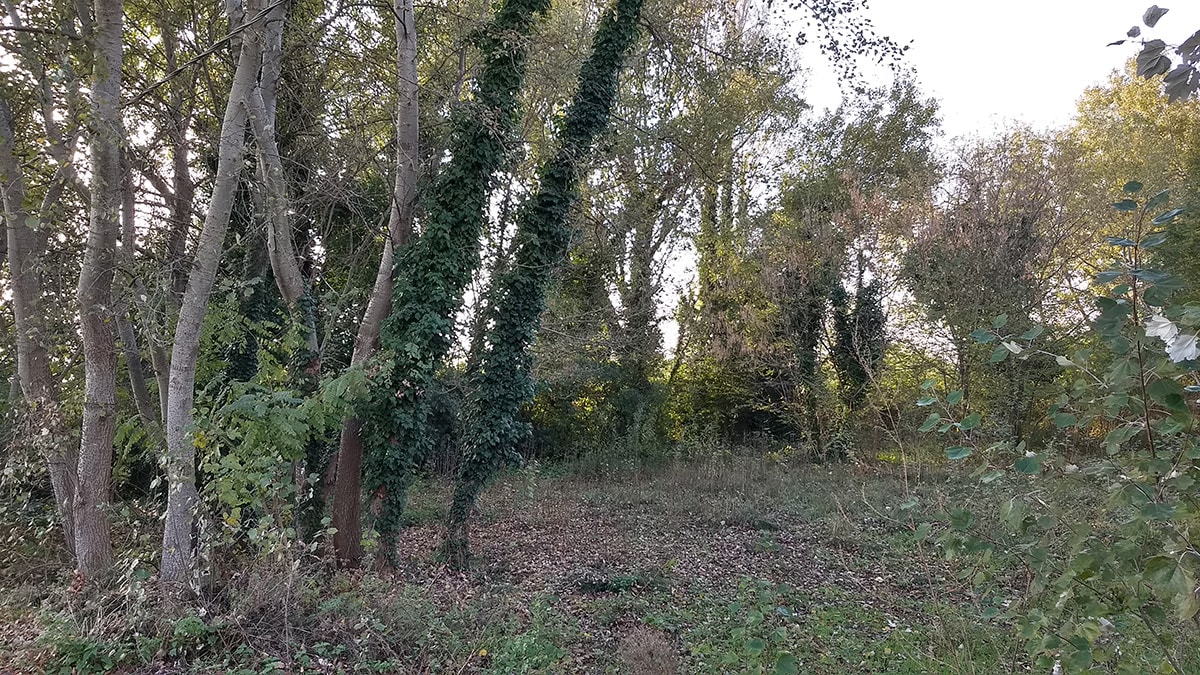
pixel 178 563
pixel 347 488
pixel 434 271
pixel 503 382
pixel 93 543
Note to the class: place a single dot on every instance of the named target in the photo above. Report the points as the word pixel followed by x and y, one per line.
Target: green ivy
pixel 433 272
pixel 503 382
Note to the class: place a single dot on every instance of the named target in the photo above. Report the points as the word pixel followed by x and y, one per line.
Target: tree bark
pixel 178 565
pixel 92 539
pixel 347 498
pixel 26 237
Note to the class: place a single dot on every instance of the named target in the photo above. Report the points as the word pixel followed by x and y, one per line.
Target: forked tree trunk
pixel 178 564
pixel 92 540
pixel 26 237
pixel 347 498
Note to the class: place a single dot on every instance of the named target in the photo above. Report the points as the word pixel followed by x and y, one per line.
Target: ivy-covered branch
pixel 433 272
pixel 503 382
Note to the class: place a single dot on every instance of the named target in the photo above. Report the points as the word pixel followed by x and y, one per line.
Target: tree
pixel 92 540
pixel 178 564
pixel 348 477
pixel 434 270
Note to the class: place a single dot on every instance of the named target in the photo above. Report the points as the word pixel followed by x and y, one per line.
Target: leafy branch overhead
pixel 1179 82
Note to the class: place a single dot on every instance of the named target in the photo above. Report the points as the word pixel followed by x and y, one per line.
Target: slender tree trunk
pixel 125 328
pixel 347 497
pixel 92 540
pixel 26 237
pixel 178 564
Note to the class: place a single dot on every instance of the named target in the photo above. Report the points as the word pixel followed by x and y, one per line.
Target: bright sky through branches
pixel 1025 60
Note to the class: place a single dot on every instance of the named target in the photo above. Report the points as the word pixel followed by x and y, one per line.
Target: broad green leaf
pixel 1132 186
pixel 1064 420
pixel 1153 240
pixel 983 335
pixel 756 645
pixel 1125 205
pixel 786 665
pixel 1158 511
pixel 958 452
pixel 926 401
pixel 930 423
pixel 1000 321
pixel 992 476
pixel 1029 464
pixel 1169 394
pixel 998 354
pixel 1124 242
pixel 922 532
pixel 1032 333
pixel 970 421
pixel 955 397
pixel 1064 361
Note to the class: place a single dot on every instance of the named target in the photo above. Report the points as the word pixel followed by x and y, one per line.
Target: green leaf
pixel 1153 240
pixel 1064 361
pixel 1120 241
pixel 1132 186
pixel 1169 394
pixel 1158 200
pixel 1119 436
pixel 1032 333
pixel 928 384
pixel 1167 217
pixel 983 335
pixel 786 665
pixel 756 645
pixel 1107 277
pixel 926 401
pixel 961 519
pixel 1125 205
pixel 954 398
pixel 998 354
pixel 957 452
pixel 1029 464
pixel 970 421
pixel 1158 511
pixel 922 532
pixel 930 423
pixel 992 476
pixel 1000 321
pixel 1065 420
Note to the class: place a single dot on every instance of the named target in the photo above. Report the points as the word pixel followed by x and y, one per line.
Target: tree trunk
pixel 178 566
pixel 347 498
pixel 26 237
pixel 92 540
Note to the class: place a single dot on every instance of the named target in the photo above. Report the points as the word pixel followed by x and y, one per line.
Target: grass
pixel 745 566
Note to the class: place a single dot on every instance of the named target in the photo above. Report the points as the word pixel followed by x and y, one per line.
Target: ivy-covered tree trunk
pixel 347 483
pixel 93 542
pixel 435 270
pixel 503 382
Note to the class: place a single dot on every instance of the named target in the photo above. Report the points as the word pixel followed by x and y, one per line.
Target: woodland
pixel 567 336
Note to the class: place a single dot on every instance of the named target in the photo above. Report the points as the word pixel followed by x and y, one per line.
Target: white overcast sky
pixel 989 62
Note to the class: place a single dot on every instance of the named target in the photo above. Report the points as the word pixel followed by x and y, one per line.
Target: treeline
pixel 267 263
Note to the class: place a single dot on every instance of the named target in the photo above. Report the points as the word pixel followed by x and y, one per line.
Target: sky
pixel 1027 60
